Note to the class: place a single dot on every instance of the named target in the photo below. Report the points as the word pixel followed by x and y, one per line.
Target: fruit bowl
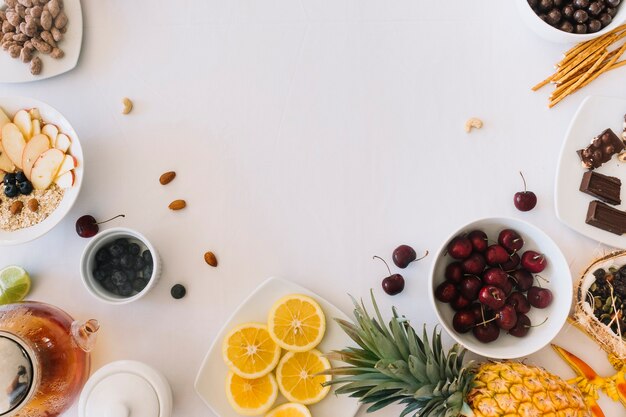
pixel 11 105
pixel 553 34
pixel 558 281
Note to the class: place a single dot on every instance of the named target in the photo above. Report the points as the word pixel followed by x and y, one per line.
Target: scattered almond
pixel 33 204
pixel 210 258
pixel 622 156
pixel 167 177
pixel 16 207
pixel 177 205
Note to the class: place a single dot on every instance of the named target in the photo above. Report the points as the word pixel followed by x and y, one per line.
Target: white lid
pixel 126 389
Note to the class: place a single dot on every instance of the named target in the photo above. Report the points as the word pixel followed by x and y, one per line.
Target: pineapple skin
pixel 513 389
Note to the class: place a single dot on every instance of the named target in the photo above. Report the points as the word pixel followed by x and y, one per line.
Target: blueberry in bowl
pixel 119 266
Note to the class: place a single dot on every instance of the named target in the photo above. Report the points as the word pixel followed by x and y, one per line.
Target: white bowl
pixel 560 283
pixel 553 34
pixel 87 261
pixel 11 105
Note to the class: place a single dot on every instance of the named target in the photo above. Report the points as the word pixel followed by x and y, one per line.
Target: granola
pixel 48 199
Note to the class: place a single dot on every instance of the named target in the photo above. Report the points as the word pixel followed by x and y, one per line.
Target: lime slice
pixel 14 284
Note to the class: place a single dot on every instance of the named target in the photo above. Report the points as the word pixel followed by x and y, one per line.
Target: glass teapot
pixel 44 359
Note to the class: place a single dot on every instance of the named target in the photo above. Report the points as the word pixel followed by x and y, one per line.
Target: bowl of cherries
pixel 501 287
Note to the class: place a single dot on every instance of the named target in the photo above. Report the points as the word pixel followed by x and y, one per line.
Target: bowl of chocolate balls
pixel 572 21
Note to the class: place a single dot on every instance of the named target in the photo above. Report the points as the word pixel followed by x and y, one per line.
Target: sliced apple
pixel 46 168
pixel 34 147
pixel 13 143
pixel 51 131
pixel 23 121
pixel 65 180
pixel 6 164
pixel 62 142
pixel 68 164
pixel 36 127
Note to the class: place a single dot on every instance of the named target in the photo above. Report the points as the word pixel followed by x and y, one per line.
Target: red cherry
pixel 446 292
pixel 469 287
pixel 496 277
pixel 539 297
pixel 460 247
pixel 522 326
pixel 523 279
pixel 486 332
pixel 460 303
pixel 496 255
pixel 525 200
pixel 519 302
pixel 454 272
pixel 463 321
pixel 87 226
pixel 403 255
pixel 474 264
pixel 392 284
pixel 506 317
pixel 512 263
pixel 492 296
pixel 478 239
pixel 533 261
pixel 510 240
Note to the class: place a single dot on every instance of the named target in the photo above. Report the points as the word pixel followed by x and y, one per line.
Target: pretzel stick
pixel 585 81
pixel 579 82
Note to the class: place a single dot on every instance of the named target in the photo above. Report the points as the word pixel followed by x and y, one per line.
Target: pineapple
pixel 394 365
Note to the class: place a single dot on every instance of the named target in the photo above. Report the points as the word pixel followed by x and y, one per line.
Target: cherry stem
pixel 387 265
pixel 537 325
pixel 523 179
pixel 545 280
pixel 485 321
pixel 419 259
pixel 112 218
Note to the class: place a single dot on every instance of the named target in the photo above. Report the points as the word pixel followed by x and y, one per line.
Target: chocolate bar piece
pixel 606 217
pixel 601 149
pixel 602 187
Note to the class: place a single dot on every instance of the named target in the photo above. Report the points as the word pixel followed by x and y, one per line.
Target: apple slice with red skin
pixel 33 149
pixel 51 131
pixel 68 164
pixel 62 142
pixel 13 143
pixel 45 168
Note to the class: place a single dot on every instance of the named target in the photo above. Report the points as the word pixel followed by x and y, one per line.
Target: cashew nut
pixel 473 123
pixel 128 105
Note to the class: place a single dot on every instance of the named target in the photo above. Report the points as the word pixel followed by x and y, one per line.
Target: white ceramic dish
pixel 11 105
pixel 553 34
pixel 15 71
pixel 594 115
pixel 87 262
pixel 210 380
pixel 560 283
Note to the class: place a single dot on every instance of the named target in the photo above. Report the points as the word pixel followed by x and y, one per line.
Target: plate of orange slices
pixel 268 358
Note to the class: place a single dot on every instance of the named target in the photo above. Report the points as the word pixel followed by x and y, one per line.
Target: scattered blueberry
pixel 11 190
pixel 26 187
pixel 20 177
pixel 9 179
pixel 178 291
pixel 134 249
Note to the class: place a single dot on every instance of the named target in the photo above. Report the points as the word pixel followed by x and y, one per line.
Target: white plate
pixel 210 380
pixel 50 115
pixel 594 115
pixel 15 71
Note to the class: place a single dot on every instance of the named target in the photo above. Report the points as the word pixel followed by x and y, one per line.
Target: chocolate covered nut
pixel 594 25
pixel 581 4
pixel 581 16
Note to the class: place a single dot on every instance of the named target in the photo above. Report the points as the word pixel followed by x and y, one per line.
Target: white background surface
pixel 307 136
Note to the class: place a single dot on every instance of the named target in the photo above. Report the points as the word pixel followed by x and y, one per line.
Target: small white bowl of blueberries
pixel 572 21
pixel 119 266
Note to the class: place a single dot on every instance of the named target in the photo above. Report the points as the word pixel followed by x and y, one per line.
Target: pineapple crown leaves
pixel 392 364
